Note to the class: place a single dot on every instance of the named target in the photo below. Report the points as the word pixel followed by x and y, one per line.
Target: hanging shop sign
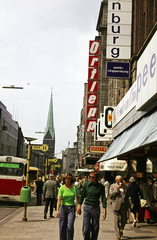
pixel 93 75
pixel 119 29
pixel 117 69
pixel 98 149
pixel 80 138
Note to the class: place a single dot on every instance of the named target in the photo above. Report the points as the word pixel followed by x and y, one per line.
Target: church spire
pixel 49 131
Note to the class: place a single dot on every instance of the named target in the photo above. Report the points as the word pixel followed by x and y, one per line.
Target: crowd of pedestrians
pixel 67 193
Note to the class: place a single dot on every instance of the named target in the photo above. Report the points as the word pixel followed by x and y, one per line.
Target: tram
pixel 12 177
pixel 34 174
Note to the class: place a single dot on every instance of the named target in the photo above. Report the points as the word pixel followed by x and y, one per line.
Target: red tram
pixel 12 177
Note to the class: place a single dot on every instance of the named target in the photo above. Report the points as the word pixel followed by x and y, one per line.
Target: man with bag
pixel 91 192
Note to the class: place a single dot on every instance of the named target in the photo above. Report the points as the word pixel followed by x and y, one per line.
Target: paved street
pixel 36 228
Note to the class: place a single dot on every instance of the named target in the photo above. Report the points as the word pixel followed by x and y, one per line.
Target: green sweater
pixel 91 193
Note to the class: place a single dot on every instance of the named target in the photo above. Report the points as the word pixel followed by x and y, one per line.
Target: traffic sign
pixel 36 147
pixel 53 160
pixel 43 147
pixel 58 166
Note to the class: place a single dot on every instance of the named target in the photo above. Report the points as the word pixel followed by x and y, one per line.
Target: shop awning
pixel 141 134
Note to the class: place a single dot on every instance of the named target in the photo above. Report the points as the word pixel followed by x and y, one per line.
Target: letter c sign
pixel 108 116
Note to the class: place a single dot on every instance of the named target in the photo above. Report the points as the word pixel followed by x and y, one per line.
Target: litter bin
pixel 25 194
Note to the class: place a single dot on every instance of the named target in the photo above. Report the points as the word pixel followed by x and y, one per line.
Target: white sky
pixel 44 44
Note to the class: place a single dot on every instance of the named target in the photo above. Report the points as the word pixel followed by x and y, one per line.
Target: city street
pixel 36 227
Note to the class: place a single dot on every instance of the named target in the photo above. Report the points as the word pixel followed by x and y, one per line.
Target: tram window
pixel 11 170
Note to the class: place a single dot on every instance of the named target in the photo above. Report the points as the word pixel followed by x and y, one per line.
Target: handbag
pixel 75 200
pixel 143 202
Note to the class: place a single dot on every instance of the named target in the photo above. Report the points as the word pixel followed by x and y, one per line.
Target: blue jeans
pixel 91 218
pixel 66 222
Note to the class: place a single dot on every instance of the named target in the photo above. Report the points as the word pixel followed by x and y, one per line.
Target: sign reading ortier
pixel 43 147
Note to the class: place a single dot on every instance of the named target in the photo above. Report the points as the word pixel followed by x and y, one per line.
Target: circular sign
pixel 44 147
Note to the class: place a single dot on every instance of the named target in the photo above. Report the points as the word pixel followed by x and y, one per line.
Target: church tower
pixel 49 136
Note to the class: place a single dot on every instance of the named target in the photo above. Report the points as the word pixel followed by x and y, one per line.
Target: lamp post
pixel 29 139
pixel 12 87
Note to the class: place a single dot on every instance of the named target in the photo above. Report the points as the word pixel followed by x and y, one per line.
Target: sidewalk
pixel 37 228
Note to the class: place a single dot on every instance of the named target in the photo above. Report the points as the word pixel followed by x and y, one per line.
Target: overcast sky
pixel 43 45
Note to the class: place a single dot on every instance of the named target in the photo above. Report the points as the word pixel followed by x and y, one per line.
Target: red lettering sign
pixel 90 125
pixel 93 73
pixel 91 111
pixel 93 47
pixel 93 61
pixel 92 86
pixel 92 98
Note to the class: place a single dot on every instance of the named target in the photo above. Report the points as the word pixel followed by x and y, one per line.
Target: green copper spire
pixel 50 124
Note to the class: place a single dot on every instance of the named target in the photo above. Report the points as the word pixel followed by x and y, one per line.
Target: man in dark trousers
pixel 91 192
pixel 120 195
pixel 49 195
pixel 39 190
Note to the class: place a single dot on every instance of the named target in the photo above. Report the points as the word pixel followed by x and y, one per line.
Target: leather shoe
pixel 121 233
pixel 51 216
pixel 45 217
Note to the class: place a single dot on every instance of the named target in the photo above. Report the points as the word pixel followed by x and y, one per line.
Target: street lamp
pixel 12 87
pixel 29 139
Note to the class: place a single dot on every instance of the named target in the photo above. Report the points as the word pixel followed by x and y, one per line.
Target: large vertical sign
pixel 92 95
pixel 80 140
pixel 119 29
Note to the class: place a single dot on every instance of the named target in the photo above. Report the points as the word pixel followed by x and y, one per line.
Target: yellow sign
pixel 43 147
pixel 86 149
pixel 53 160
pixel 58 165
pixel 109 117
pixel 36 147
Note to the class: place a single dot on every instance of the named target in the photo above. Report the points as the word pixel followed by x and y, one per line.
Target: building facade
pixel 134 120
pixel 8 133
pixel 70 159
pixel 110 93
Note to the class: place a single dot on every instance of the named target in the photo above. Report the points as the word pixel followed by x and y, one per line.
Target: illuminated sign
pixel 9 165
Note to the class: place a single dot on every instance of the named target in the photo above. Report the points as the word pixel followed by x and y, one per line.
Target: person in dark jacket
pixel 91 192
pixel 49 195
pixel 39 190
pixel 134 192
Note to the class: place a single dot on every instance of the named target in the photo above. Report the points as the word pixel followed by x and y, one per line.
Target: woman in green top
pixel 66 207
